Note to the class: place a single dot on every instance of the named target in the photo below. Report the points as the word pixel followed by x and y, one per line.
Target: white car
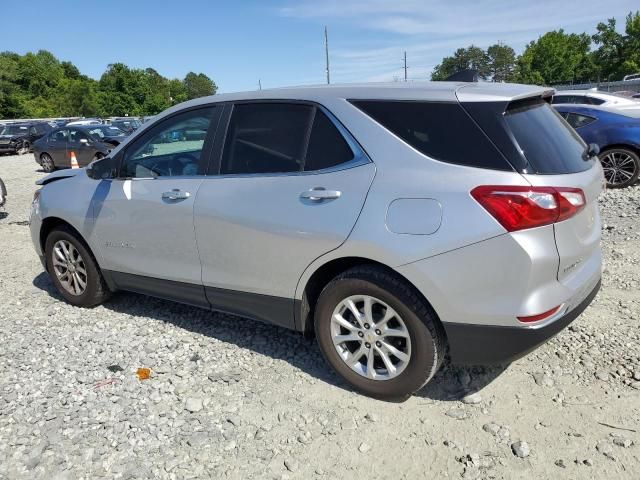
pixel 594 97
pixel 86 121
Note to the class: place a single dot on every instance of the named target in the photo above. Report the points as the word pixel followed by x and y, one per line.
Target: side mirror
pixel 84 141
pixel 593 150
pixel 102 169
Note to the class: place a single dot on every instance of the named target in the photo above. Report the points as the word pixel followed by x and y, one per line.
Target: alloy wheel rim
pixel 370 337
pixel 47 163
pixel 69 267
pixel 618 167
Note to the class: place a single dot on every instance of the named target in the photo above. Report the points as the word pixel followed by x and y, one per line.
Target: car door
pixel 144 217
pixel 57 147
pixel 80 144
pixel 290 186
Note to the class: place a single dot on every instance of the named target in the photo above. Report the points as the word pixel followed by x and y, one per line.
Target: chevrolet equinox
pixel 398 223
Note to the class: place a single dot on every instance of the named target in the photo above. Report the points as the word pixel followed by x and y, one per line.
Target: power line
pixel 405 65
pixel 326 53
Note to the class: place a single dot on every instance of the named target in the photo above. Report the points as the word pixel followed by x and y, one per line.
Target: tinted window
pixel 76 135
pixel 59 136
pixel 266 138
pixel 171 148
pixel 595 101
pixel 548 144
pixel 327 147
pixel 576 120
pixel 442 131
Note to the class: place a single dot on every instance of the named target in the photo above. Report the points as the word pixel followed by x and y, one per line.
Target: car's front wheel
pixel 378 334
pixel 621 167
pixel 73 269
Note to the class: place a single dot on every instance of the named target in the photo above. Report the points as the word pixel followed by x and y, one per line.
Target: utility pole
pixel 326 53
pixel 405 65
pixel 259 84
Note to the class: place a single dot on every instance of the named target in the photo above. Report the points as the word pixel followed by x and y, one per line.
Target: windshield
pixel 106 131
pixel 545 139
pixel 14 130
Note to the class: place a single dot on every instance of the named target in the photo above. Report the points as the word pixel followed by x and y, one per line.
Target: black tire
pixel 96 291
pixel 3 193
pixel 47 163
pixel 24 149
pixel 631 170
pixel 428 345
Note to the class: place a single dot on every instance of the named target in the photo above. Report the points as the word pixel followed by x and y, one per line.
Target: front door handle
pixel 176 194
pixel 318 194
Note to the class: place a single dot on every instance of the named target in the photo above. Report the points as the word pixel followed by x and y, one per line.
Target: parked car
pixel 617 134
pixel 127 125
pixel 635 95
pixel 633 76
pixel 593 97
pixel 381 218
pixel 84 121
pixel 107 134
pixel 54 150
pixel 18 138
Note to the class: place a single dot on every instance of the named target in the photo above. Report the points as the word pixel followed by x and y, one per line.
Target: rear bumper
pixel 472 344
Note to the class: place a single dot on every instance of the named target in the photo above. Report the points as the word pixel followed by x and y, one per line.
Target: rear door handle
pixel 176 194
pixel 318 194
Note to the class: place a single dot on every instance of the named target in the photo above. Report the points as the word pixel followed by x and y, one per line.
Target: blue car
pixel 616 132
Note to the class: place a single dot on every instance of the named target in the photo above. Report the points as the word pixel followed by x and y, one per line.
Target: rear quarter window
pixel 442 131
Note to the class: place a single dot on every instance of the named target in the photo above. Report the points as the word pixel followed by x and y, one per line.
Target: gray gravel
pixel 233 398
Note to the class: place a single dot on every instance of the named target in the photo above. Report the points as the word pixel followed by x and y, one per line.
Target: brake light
pixel 520 207
pixel 540 316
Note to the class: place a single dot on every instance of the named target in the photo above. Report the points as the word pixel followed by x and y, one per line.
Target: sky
pixel 281 42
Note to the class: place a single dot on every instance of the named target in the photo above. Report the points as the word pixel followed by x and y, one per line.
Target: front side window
pixel 76 135
pixel 171 148
pixel 595 101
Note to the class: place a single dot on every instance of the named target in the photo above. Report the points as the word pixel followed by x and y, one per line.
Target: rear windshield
pixel 549 145
pixel 443 131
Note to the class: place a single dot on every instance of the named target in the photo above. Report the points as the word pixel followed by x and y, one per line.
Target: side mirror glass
pixel 102 169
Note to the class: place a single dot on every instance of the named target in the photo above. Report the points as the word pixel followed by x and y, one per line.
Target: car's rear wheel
pixel 378 334
pixel 73 269
pixel 47 163
pixel 621 167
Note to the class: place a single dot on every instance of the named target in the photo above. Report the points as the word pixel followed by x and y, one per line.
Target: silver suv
pixel 398 223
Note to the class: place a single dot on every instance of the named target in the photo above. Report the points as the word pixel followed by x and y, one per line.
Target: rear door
pixel 57 147
pixel 289 188
pixel 80 144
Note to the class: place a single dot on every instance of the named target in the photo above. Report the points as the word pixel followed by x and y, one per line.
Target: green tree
pixel 502 62
pixel 472 57
pixel 556 57
pixel 198 85
pixel 631 47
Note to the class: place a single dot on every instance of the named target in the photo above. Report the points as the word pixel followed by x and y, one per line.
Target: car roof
pixel 631 113
pixel 426 91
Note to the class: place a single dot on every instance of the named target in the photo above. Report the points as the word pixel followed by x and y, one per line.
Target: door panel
pixel 143 232
pixel 257 233
pixel 83 151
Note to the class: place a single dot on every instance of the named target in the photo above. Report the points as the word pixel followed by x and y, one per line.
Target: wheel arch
pixel 325 273
pixel 625 146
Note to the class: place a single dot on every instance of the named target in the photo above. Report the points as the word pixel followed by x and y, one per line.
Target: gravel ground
pixel 229 397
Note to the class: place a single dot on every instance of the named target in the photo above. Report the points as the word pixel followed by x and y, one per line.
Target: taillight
pixel 519 207
pixel 540 316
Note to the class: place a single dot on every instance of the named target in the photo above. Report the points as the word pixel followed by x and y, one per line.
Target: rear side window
pixel 327 147
pixel 547 143
pixel 443 131
pixel 577 120
pixel 266 138
pixel 595 101
pixel 281 138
